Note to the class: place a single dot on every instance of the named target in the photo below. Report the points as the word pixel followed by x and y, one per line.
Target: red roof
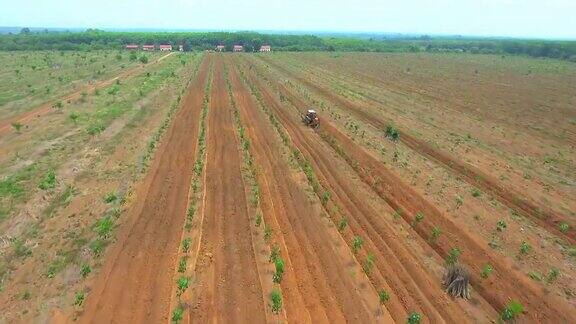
pixel 165 46
pixel 237 46
pixel 131 46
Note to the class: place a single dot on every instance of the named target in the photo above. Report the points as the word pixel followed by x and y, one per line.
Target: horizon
pixel 528 19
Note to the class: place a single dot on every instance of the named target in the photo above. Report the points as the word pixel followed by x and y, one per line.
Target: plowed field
pixel 246 215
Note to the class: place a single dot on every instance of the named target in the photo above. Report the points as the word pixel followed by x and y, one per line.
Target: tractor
pixel 311 118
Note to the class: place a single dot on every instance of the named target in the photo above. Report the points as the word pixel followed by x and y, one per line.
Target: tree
pixel 25 31
pixel 17 126
pixel 144 59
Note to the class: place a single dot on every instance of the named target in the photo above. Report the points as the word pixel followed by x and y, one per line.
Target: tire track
pixel 135 283
pixel 541 215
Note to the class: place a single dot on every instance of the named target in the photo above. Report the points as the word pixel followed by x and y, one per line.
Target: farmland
pixel 187 189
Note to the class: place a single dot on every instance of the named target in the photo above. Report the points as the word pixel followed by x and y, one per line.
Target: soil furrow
pixel 227 287
pixel 135 283
pixel 542 215
pixel 306 236
pixel 400 196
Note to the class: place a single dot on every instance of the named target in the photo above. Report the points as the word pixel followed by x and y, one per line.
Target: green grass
pixel 104 226
pixel 49 181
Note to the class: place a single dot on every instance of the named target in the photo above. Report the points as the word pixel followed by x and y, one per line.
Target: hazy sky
pixel 522 18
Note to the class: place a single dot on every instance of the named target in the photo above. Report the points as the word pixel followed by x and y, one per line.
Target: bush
pixel 476 193
pixel 177 314
pixel 110 197
pixel 436 233
pixel 525 247
pixel 501 225
pixel 144 59
pixel 279 265
pixel 85 270
pixel 453 256
pixel 17 126
pixel 486 271
pixel 563 227
pixel 342 224
pixel 79 299
pixel 186 244
pixel 182 284
pixel 103 226
pixel 392 133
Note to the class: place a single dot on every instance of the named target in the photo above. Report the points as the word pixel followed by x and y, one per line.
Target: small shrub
pixel 383 296
pixel 276 301
pixel 357 244
pixel 103 226
pixel 110 197
pixel 436 233
pixel 258 219
pixel 553 275
pixel 182 265
pixel 459 201
pixel 414 318
pixel 397 214
pixel 512 310
pixel 392 133
pixel 486 271
pixel 186 244
pixel 476 193
pixel 177 314
pixel 535 275
pixel 453 256
pixel 74 117
pixel 143 59
pixel 17 126
pixel 369 264
pixel 267 233
pixel 97 247
pixel 563 227
pixel 279 265
pixel 342 224
pixel 325 197
pixel 49 181
pixel 79 299
pixel 274 253
pixel 525 247
pixel 418 218
pixel 182 284
pixel 501 225
pixel 85 270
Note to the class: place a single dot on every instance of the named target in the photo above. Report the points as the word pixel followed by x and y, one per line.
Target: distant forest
pixel 196 41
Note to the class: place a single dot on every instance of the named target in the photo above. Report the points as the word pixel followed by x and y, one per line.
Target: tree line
pixel 96 39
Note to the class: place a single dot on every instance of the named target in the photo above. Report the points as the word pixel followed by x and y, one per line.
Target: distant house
pixel 148 47
pixel 132 47
pixel 238 48
pixel 165 48
pixel 181 48
pixel 220 48
pixel 265 48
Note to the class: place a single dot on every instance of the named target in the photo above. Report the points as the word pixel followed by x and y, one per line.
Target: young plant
pixel 276 301
pixel 357 244
pixel 369 264
pixel 177 314
pixel 182 265
pixel 79 299
pixel 512 310
pixel 182 284
pixel 49 181
pixel 486 271
pixel 563 227
pixel 459 201
pixel 383 296
pixel 85 270
pixel 342 224
pixel 279 265
pixel 436 234
pixel 186 244
pixel 325 197
pixel 74 117
pixel 414 318
pixel 476 193
pixel 110 197
pixel 267 233
pixel 258 219
pixel 17 126
pixel 104 226
pixel 274 253
pixel 553 275
pixel 501 225
pixel 525 247
pixel 392 133
pixel 453 256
